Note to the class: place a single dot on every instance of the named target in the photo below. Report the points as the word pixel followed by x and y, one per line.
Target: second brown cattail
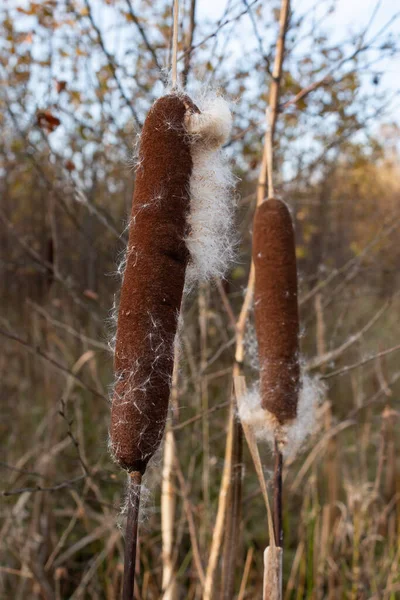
pixel 276 309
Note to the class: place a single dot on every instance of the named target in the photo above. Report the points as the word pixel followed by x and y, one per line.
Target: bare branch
pixel 143 34
pixel 189 42
pixel 38 488
pixel 334 354
pixel 112 66
pixel 361 363
pixel 35 350
pixel 217 30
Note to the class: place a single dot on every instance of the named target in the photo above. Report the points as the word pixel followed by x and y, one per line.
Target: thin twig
pixel 112 65
pixel 37 351
pixel 221 512
pixel 274 93
pixel 201 415
pixel 38 488
pixel 191 524
pixel 334 354
pixel 63 414
pixel 174 60
pixel 246 573
pixel 217 30
pixel 360 363
pixel 189 42
pixel 143 34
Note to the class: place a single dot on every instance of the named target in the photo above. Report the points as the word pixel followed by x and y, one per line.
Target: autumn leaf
pixel 46 120
pixel 69 165
pixel 60 86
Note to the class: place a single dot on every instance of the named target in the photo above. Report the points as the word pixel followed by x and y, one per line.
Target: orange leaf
pixel 69 165
pixel 47 121
pixel 60 86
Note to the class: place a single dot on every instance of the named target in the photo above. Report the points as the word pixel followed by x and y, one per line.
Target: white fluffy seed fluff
pixel 211 240
pixel 291 436
pixel 130 496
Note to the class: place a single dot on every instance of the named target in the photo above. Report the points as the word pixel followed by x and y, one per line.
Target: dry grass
pixel 62 494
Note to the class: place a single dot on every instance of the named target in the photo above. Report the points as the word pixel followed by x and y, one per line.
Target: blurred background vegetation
pixel 77 78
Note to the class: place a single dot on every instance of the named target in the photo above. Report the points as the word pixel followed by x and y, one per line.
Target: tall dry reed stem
pixel 209 584
pixel 168 499
pixel 168 519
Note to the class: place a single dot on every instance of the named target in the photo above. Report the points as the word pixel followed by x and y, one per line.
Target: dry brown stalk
pixel 240 390
pixel 168 499
pixel 318 448
pixel 233 520
pixel 246 571
pixel 208 592
pixel 167 518
pixel 190 520
pixel 272 588
pixel 203 390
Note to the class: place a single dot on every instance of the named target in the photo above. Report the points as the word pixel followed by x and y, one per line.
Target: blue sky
pixel 349 14
pixel 349 18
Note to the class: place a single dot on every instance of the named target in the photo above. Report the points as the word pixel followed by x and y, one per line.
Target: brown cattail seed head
pixel 152 287
pixel 276 309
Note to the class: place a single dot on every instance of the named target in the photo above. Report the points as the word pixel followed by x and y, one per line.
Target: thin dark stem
pixel 131 535
pixel 278 497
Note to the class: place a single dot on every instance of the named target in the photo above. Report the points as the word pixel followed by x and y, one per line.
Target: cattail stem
pixel 278 496
pixel 131 534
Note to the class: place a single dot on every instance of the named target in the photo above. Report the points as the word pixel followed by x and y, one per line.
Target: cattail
pixel 153 284
pixel 182 184
pixel 175 222
pixel 281 408
pixel 276 310
pixel 277 327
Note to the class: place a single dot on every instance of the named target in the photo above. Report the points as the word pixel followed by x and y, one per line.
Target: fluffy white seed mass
pixel 211 240
pixel 291 436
